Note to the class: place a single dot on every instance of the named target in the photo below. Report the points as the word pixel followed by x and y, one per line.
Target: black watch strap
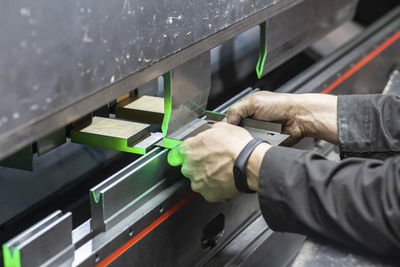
pixel 239 168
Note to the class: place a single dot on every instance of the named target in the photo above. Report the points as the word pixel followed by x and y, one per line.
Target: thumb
pixel 239 110
pixel 175 157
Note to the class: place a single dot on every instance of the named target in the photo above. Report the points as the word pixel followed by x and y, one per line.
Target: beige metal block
pixel 149 109
pixel 131 131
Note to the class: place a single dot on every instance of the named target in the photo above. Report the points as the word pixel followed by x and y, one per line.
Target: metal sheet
pixel 268 131
pixel 191 129
pixel 247 122
pixel 189 86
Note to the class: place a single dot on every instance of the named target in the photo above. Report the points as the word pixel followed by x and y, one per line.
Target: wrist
pixel 316 116
pixel 254 165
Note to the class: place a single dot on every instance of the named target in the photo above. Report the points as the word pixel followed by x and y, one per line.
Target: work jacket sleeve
pixel 355 202
pixel 369 126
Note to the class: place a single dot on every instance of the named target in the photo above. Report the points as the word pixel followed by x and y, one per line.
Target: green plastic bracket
pixel 167 142
pixel 167 103
pixel 108 142
pixel 170 143
pixel 263 50
pixel 11 259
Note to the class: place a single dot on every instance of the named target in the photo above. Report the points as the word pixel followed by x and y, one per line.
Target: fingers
pixel 200 188
pixel 242 109
pixel 197 186
pixel 261 105
pixel 175 157
pixel 178 154
pixel 186 172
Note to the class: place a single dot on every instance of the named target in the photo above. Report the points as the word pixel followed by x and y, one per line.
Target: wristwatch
pixel 239 167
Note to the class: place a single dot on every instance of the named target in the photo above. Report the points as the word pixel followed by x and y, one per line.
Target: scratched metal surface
pixel 55 52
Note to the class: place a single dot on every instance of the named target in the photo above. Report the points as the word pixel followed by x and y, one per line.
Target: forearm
pixel 355 202
pixel 317 115
pixel 254 165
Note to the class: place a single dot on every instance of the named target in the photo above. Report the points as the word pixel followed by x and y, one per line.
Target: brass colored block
pixel 113 134
pixel 148 109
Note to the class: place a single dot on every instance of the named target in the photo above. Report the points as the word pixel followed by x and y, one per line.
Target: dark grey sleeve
pixel 369 126
pixel 355 202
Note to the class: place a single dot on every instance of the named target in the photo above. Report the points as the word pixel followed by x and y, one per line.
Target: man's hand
pixel 208 160
pixel 301 115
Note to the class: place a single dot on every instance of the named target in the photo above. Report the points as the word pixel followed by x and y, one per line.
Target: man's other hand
pixel 301 115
